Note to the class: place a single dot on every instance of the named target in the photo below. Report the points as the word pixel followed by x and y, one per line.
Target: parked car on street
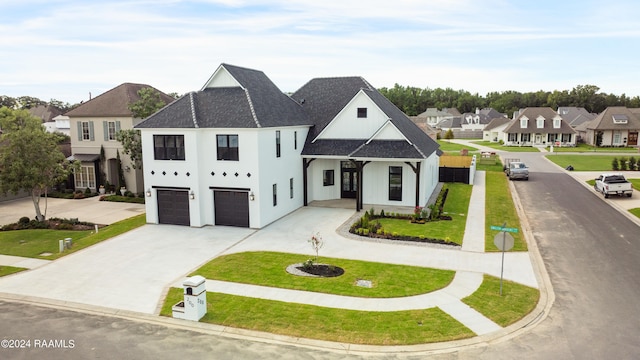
pixel 517 170
pixel 613 184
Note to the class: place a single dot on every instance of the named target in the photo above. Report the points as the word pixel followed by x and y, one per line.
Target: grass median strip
pixel 499 208
pixel 269 269
pixel 313 322
pixel 516 301
pixel 8 270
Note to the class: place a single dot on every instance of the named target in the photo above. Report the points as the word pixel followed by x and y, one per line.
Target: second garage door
pixel 173 207
pixel 231 208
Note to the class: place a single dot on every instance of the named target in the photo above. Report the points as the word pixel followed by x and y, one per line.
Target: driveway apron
pixel 128 272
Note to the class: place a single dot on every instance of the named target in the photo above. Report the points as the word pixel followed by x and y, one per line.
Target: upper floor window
pixel 85 131
pixel 110 129
pixel 362 112
pixel 556 123
pixel 277 143
pixel 540 123
pixel 227 147
pixel 168 147
pixel 524 123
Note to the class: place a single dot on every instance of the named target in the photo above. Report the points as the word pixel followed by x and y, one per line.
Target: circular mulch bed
pixel 315 270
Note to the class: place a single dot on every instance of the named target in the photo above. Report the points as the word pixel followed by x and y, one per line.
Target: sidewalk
pixel 470 262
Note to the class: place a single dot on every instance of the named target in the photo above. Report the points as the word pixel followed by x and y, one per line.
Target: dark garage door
pixel 173 207
pixel 231 208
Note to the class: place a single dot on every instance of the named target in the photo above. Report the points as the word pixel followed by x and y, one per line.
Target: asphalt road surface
pixel 591 253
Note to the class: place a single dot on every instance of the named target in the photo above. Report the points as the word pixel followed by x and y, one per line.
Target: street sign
pixel 506 229
pixel 503 241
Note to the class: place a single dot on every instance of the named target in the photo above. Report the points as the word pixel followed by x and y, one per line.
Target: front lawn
pixel 33 243
pixel 338 325
pixel 497 146
pixel 269 269
pixel 515 303
pixel 8 270
pixel 584 162
pixel 456 206
pixel 447 146
pixel 582 148
pixel 635 211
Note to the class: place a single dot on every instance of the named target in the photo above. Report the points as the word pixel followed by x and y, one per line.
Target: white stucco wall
pixel 347 125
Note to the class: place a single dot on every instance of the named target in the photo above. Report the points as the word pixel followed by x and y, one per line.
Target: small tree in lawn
pixel 316 243
pixel 448 135
pixel 614 164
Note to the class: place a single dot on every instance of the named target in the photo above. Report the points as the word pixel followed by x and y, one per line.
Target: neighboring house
pixel 575 116
pixel 494 130
pixel 434 116
pixel 93 126
pixel 52 118
pixel 480 119
pixel 538 126
pixel 615 126
pixel 59 124
pixel 240 152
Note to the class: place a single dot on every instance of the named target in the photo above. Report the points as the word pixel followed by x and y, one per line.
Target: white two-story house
pixel 240 152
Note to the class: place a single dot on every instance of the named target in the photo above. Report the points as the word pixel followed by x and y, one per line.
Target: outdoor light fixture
pixel 251 196
pixel 148 193
pixel 192 195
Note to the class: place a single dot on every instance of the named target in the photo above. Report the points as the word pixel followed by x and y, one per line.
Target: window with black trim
pixel 362 112
pixel 395 183
pixel 227 147
pixel 168 147
pixel 275 194
pixel 295 140
pixel 327 178
pixel 277 143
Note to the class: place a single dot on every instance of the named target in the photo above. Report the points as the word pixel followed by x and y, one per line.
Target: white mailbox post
pixel 194 305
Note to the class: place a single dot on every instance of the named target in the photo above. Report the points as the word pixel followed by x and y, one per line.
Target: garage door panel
pixel 173 207
pixel 231 208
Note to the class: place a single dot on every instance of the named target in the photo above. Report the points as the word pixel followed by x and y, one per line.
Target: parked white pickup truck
pixel 613 184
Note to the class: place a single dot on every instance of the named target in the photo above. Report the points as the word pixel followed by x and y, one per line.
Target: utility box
pixel 194 305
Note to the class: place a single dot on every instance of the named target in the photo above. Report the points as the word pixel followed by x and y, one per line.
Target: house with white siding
pixel 240 152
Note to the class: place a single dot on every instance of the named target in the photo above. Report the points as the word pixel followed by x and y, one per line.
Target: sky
pixel 69 49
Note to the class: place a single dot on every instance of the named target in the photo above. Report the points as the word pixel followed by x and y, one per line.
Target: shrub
pixel 623 163
pixel 614 164
pixel 24 220
pixel 632 163
pixel 87 191
pixel 129 194
pixel 64 226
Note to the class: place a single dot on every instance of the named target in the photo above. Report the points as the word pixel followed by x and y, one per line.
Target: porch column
pixel 359 167
pixel 416 170
pixel 305 166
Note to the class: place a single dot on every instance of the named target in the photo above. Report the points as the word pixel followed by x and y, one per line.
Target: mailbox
pixel 194 305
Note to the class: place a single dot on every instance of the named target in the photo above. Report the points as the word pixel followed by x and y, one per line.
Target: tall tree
pixel 150 102
pixel 30 159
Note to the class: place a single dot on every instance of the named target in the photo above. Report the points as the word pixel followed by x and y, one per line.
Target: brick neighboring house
pixel 615 126
pixel 93 126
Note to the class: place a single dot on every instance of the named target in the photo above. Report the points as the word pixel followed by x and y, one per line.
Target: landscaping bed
pixel 53 223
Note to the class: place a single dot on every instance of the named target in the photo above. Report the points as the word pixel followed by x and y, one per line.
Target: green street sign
pixel 505 229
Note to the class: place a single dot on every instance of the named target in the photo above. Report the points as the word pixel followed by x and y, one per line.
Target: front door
pixel 349 182
pixel 538 138
pixel 633 139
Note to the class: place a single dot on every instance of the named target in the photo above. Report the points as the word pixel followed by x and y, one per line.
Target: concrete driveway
pixel 90 209
pixel 128 272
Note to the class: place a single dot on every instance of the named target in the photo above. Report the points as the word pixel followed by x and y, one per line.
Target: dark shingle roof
pixel 496 122
pixel 324 98
pixel 532 114
pixel 604 121
pixel 114 102
pixel 257 102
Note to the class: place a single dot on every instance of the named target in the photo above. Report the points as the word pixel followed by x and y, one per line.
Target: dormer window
pixel 524 123
pixel 362 112
pixel 556 123
pixel 620 119
pixel 540 122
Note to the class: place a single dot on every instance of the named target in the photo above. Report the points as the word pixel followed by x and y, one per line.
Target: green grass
pixel 456 206
pixel 453 147
pixel 588 148
pixel 516 301
pixel 635 183
pixel 8 270
pixel 499 208
pixel 497 146
pixel 32 243
pixel 584 162
pixel 269 269
pixel 635 211
pixel 339 325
